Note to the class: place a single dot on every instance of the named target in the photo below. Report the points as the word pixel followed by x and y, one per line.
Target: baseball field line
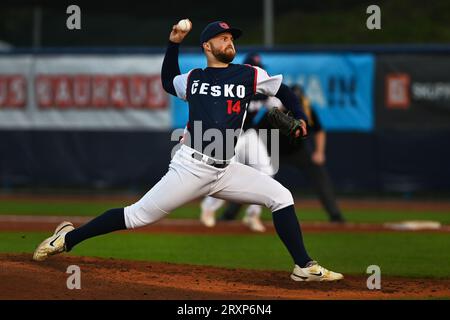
pixel 44 223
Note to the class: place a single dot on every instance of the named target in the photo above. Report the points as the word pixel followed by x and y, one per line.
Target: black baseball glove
pixel 287 124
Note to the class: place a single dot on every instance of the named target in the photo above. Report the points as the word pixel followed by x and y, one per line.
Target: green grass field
pixel 192 211
pixel 398 254
pixel 401 254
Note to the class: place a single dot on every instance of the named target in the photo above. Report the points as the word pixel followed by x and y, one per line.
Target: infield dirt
pixel 23 278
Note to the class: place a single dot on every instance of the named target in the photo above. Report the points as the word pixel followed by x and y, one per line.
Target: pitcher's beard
pixel 225 56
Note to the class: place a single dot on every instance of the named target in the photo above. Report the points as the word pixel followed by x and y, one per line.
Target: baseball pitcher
pixel 217 96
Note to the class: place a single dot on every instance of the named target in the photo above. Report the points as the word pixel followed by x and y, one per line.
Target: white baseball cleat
pixel 314 272
pixel 54 244
pixel 254 223
pixel 208 218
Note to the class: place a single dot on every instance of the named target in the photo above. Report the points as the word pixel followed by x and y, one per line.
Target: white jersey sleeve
pixel 266 84
pixel 180 83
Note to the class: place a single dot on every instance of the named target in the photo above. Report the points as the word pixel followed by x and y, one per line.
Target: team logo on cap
pixel 224 25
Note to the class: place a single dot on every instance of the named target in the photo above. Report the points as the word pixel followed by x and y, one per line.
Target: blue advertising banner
pixel 340 86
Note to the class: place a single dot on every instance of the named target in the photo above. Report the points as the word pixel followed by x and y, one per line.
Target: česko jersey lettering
pixel 218 100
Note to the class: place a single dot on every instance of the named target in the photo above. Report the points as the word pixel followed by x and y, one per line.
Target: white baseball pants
pixel 189 178
pixel 252 151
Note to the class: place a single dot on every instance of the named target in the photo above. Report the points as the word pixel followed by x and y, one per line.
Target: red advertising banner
pixel 13 91
pixel 83 92
pixel 94 91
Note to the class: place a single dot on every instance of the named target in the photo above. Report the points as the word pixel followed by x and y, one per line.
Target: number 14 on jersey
pixel 236 107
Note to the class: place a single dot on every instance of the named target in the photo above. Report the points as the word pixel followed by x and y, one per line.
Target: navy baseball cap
pixel 217 27
pixel 253 59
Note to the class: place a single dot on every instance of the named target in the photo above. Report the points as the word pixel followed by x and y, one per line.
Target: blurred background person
pixel 311 159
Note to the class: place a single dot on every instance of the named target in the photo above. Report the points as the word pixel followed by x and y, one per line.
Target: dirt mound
pixel 22 278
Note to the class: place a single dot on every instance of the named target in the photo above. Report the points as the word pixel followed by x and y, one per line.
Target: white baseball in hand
pixel 184 25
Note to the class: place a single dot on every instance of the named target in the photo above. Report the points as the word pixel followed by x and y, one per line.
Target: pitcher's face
pixel 222 47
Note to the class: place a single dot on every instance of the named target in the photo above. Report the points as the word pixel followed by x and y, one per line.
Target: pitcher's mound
pixel 23 278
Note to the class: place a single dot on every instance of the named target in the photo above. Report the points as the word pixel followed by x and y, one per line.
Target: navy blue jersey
pixel 218 100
